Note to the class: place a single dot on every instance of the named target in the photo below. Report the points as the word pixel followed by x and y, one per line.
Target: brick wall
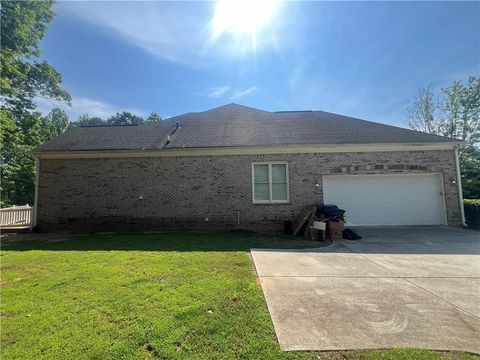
pixel 181 192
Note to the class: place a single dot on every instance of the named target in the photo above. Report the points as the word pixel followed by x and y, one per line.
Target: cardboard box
pixel 336 225
pixel 335 229
pixel 335 235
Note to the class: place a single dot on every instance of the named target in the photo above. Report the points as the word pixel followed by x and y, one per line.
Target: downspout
pixel 459 184
pixel 35 200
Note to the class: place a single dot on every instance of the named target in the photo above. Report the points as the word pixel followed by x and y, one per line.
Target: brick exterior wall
pixel 182 192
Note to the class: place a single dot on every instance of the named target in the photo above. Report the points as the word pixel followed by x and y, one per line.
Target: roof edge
pixel 246 150
pixel 388 125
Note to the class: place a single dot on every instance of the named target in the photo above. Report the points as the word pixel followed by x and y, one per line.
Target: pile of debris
pixel 322 222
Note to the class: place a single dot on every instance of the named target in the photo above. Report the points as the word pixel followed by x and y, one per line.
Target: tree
pixel 119 119
pixel 422 112
pixel 18 167
pixel 125 118
pixel 153 117
pixel 55 123
pixel 10 141
pixel 23 78
pixel 455 113
pixel 470 167
pixel 461 108
pixel 24 24
pixel 87 120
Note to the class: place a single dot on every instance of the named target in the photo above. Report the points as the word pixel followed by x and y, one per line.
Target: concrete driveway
pixel 397 287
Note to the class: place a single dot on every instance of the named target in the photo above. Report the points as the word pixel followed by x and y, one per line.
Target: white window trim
pixel 270 163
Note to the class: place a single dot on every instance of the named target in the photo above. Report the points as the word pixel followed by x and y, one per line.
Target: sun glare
pixel 241 17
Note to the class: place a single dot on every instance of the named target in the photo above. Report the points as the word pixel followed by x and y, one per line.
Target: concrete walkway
pixel 397 287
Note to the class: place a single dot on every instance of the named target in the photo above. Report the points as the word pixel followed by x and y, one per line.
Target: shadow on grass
pixel 437 241
pixel 222 241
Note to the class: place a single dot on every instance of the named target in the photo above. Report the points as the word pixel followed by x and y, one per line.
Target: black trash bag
pixel 329 211
pixel 350 235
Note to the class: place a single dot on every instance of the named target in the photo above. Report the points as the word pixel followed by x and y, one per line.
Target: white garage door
pixel 407 199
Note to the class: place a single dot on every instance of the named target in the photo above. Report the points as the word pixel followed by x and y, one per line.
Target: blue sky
pixel 363 59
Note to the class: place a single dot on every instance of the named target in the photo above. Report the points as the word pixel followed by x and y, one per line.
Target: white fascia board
pixel 257 150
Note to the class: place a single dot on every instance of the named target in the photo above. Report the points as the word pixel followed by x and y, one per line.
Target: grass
pixel 142 296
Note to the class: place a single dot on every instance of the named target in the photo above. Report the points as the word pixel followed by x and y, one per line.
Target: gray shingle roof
pixel 143 137
pixel 238 126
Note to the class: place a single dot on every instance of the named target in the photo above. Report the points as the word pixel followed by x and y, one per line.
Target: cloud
pixel 236 94
pixel 174 31
pixel 216 92
pixel 84 105
pixel 169 32
pixel 241 93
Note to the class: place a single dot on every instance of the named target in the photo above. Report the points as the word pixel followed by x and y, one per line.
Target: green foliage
pixel 125 118
pixel 153 117
pixel 55 123
pixel 461 111
pixel 119 119
pixel 143 296
pixel 19 135
pixel 9 149
pixel 470 169
pixel 23 77
pixel 455 113
pixel 87 120
pixel 24 24
pixel 422 113
pixel 472 212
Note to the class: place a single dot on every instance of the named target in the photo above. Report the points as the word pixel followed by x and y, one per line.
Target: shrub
pixel 472 212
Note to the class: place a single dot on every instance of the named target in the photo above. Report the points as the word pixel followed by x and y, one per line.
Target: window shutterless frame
pixel 270 183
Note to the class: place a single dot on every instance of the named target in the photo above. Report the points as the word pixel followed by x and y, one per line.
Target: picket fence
pixel 16 217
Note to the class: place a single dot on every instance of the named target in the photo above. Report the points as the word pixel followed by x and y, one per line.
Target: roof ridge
pixel 217 108
pixel 234 104
pixel 293 111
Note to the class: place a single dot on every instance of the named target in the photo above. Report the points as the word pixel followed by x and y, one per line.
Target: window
pixel 270 182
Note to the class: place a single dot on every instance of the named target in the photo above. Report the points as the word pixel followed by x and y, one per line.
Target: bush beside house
pixel 472 212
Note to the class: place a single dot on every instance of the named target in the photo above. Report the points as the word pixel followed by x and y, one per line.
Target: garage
pixel 393 199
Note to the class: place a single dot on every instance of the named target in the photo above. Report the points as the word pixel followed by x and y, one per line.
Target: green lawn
pixel 141 296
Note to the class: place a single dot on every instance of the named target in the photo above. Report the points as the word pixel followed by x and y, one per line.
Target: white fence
pixel 16 217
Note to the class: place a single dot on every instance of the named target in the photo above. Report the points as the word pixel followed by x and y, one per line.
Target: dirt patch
pixel 9 238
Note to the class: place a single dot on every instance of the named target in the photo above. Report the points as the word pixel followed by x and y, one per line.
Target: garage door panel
pixel 387 199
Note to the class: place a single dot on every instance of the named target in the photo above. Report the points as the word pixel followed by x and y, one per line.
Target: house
pixel 239 167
